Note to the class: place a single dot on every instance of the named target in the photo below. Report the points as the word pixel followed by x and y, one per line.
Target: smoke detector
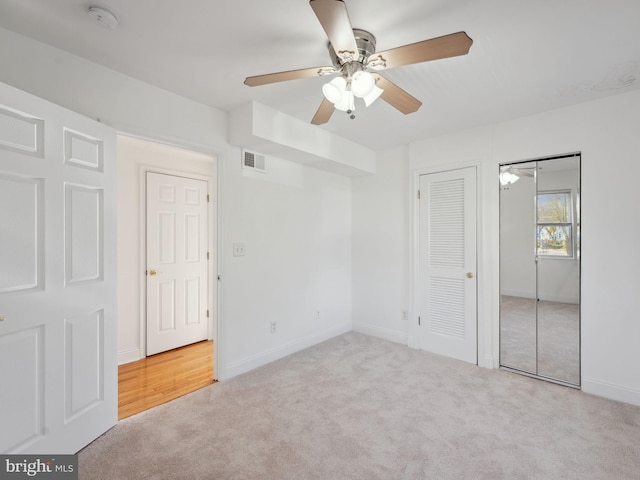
pixel 104 17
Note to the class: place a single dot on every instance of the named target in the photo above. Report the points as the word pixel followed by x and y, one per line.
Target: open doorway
pixel 190 359
pixel 160 378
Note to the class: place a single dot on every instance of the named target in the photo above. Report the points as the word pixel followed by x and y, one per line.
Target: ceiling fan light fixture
pixel 335 89
pixel 373 95
pixel 346 102
pixel 353 53
pixel 507 178
pixel 362 84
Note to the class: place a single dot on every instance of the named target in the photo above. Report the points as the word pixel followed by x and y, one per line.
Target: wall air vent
pixel 254 161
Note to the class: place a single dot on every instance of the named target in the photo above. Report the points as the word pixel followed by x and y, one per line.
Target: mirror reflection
pixel 540 268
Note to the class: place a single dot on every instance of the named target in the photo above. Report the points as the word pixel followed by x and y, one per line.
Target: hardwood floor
pixel 163 377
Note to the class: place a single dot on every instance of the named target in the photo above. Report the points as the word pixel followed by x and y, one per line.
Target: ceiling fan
pixel 353 55
pixel 510 174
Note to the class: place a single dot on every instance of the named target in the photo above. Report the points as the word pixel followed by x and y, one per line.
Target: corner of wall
pixel 233 369
pixel 129 355
pixel 384 333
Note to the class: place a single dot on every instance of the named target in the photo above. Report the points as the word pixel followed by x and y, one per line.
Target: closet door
pixel 518 327
pixel 558 269
pixel 540 268
pixel 448 297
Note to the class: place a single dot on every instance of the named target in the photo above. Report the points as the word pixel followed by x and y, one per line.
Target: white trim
pixel 260 359
pixel 548 298
pixel 217 237
pixel 518 293
pixel 129 355
pixel 611 390
pixel 491 259
pixel 414 242
pixel 489 362
pixel 140 134
pixel 384 333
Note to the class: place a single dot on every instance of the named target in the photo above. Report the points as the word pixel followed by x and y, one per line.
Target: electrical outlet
pixel 274 327
pixel 405 315
pixel 318 315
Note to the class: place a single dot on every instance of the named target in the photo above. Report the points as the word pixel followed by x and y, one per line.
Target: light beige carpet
pixel 357 407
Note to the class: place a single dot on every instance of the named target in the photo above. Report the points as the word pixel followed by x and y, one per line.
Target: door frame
pixel 212 246
pixel 485 328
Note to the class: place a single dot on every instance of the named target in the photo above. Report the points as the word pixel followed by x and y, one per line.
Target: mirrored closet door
pixel 540 268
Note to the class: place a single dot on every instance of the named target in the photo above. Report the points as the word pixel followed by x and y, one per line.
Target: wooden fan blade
pixel 396 96
pixel 446 46
pixel 324 113
pixel 288 75
pixel 334 18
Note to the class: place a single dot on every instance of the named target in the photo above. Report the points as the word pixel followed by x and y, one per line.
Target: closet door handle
pixel 469 275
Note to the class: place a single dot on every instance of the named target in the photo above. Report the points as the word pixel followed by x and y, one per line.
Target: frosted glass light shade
pixel 373 95
pixel 507 178
pixel 346 102
pixel 335 89
pixel 362 84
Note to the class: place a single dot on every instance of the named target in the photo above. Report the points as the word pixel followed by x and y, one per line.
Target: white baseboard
pixel 258 360
pixel 610 390
pixel 549 298
pixel 489 362
pixel 128 356
pixel 386 334
pixel 560 299
pixel 517 293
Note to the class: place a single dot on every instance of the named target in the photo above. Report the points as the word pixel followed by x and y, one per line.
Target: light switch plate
pixel 238 249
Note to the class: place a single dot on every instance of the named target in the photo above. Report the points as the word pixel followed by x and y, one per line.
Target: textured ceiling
pixel 527 56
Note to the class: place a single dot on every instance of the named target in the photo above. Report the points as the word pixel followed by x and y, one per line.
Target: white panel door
pixel 177 280
pixel 447 270
pixel 58 364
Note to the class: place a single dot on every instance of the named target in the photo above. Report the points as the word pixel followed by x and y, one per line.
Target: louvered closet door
pixel 447 271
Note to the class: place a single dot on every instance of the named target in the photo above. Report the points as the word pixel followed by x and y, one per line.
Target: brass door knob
pixel 469 275
pixel 152 272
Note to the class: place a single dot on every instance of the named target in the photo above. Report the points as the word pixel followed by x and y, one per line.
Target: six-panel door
pixel 58 367
pixel 177 280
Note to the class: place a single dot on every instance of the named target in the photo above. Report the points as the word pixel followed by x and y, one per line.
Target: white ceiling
pixel 527 56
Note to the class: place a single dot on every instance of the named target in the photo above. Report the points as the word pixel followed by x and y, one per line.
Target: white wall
pixel 295 220
pixel 606 132
pixel 100 93
pixel 295 224
pixel 381 248
pixel 134 155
